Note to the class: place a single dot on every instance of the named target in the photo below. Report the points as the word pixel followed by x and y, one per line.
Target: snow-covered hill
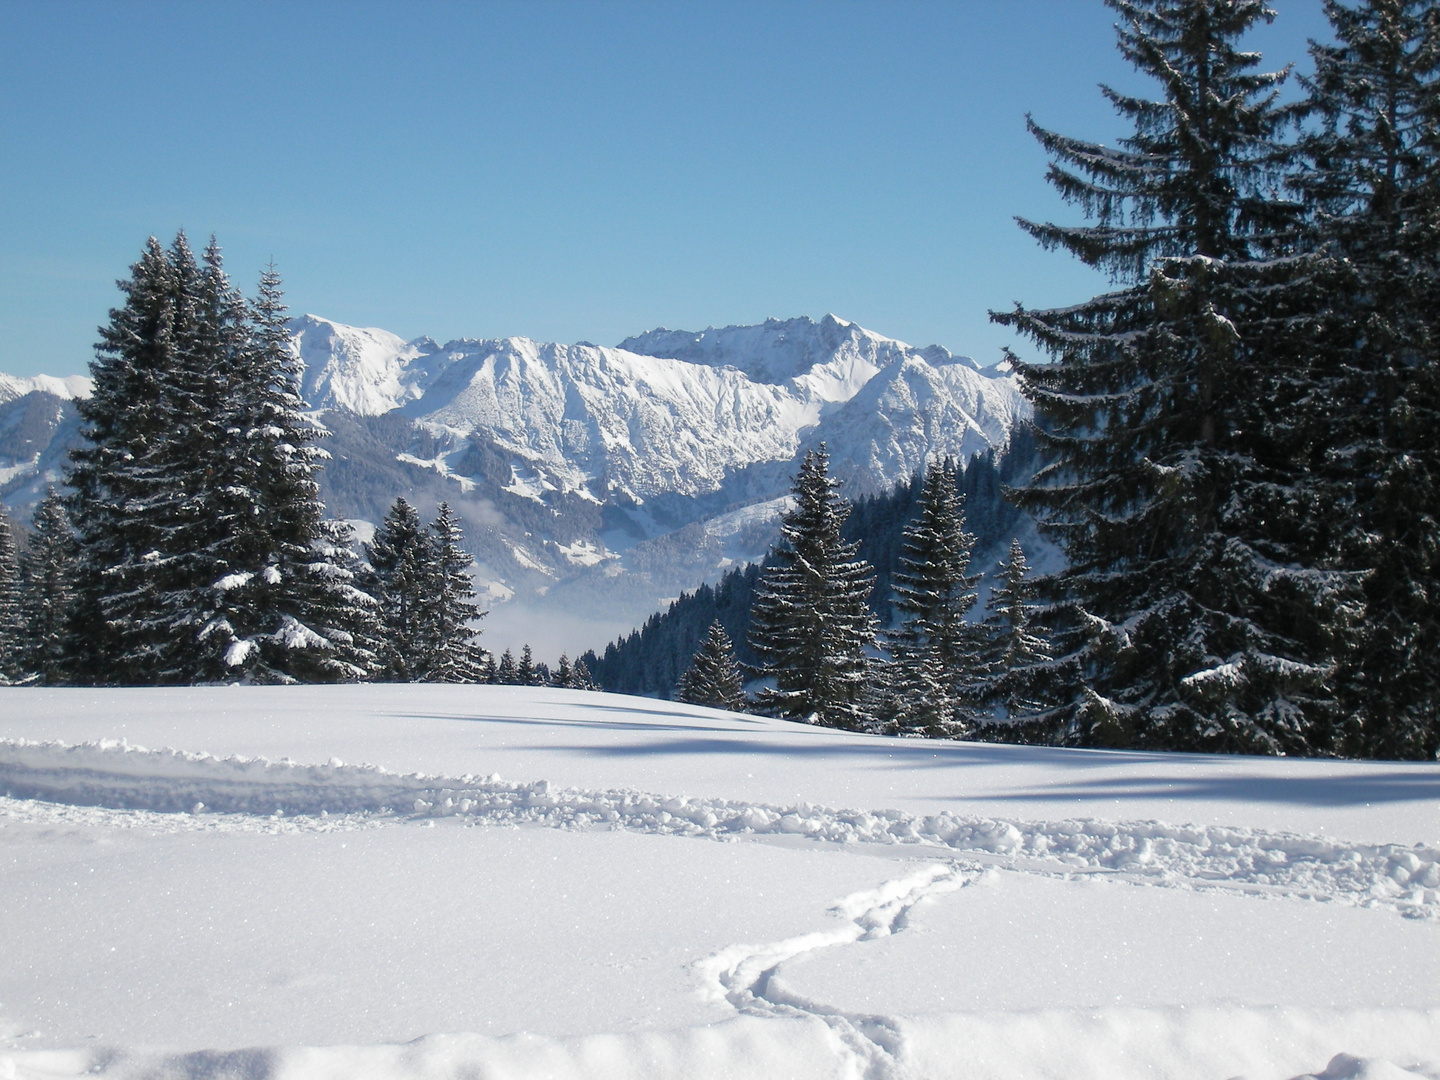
pixel 324 881
pixel 584 474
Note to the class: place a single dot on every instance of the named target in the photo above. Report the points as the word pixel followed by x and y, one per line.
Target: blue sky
pixel 561 170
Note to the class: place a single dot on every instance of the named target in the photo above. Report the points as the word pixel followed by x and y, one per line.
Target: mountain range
pixel 595 483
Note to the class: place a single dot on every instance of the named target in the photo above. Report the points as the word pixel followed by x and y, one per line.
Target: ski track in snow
pixel 745 975
pixel 173 790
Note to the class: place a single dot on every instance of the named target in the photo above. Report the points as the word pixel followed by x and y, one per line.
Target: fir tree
pixel 403 559
pixel 811 624
pixel 135 520
pixel 1016 653
pixel 580 677
pixel 453 654
pixel 562 674
pixel 526 674
pixel 1198 617
pixel 713 677
pixel 506 674
pixel 489 673
pixel 1372 177
pixel 937 653
pixel 47 576
pixel 12 664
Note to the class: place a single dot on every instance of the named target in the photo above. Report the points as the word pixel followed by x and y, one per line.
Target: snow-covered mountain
pixel 596 482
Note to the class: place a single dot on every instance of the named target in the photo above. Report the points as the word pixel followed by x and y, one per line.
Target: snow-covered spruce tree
pixel 580 678
pixel 1371 174
pixel 455 657
pixel 489 673
pixel 810 623
pixel 285 605
pixel 526 673
pixel 47 590
pixel 561 675
pixel 938 658
pixel 136 620
pixel 713 677
pixel 1199 618
pixel 12 665
pixel 403 558
pixel 1017 655
pixel 505 673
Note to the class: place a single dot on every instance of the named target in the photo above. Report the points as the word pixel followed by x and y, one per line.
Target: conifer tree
pixel 506 674
pixel 526 674
pixel 1372 177
pixel 713 677
pixel 12 666
pixel 811 624
pixel 489 673
pixel 454 655
pixel 130 506
pixel 562 673
pixel 937 653
pixel 1198 617
pixel 1016 652
pixel 580 678
pixel 403 559
pixel 47 590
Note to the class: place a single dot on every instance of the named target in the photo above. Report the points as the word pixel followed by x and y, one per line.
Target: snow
pixel 515 882
pixel 68 387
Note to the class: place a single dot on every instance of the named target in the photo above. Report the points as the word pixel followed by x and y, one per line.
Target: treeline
pixel 1240 438
pixel 192 546
pixel 651 660
pixel 818 651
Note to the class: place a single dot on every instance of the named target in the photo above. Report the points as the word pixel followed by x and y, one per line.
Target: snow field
pixel 234 914
pixel 117 774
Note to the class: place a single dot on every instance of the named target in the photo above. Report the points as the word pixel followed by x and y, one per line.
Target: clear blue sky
pixel 560 170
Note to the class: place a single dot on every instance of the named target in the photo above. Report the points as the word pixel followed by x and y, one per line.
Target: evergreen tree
pixel 1372 177
pixel 525 671
pixel 506 674
pixel 402 555
pixel 47 574
pixel 580 677
pixel 454 655
pixel 713 677
pixel 937 653
pixel 489 673
pixel 135 520
pixel 562 675
pixel 1198 619
pixel 811 624
pixel 1017 653
pixel 285 603
pixel 12 665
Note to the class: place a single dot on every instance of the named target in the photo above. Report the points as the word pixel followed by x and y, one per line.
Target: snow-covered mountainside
pixel 588 478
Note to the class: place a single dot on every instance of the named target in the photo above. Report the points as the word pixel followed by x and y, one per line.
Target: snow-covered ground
pixel 442 882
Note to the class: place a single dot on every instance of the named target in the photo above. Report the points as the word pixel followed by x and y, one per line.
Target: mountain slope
pixel 596 483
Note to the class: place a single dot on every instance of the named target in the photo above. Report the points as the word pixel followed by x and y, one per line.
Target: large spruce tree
pixel 1198 617
pixel 1371 175
pixel 203 554
pixel 811 624
pixel 403 557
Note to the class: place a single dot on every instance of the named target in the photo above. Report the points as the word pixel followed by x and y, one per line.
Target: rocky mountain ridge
pixel 595 482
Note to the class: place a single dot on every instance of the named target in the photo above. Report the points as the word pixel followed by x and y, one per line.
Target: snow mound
pixel 119 775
